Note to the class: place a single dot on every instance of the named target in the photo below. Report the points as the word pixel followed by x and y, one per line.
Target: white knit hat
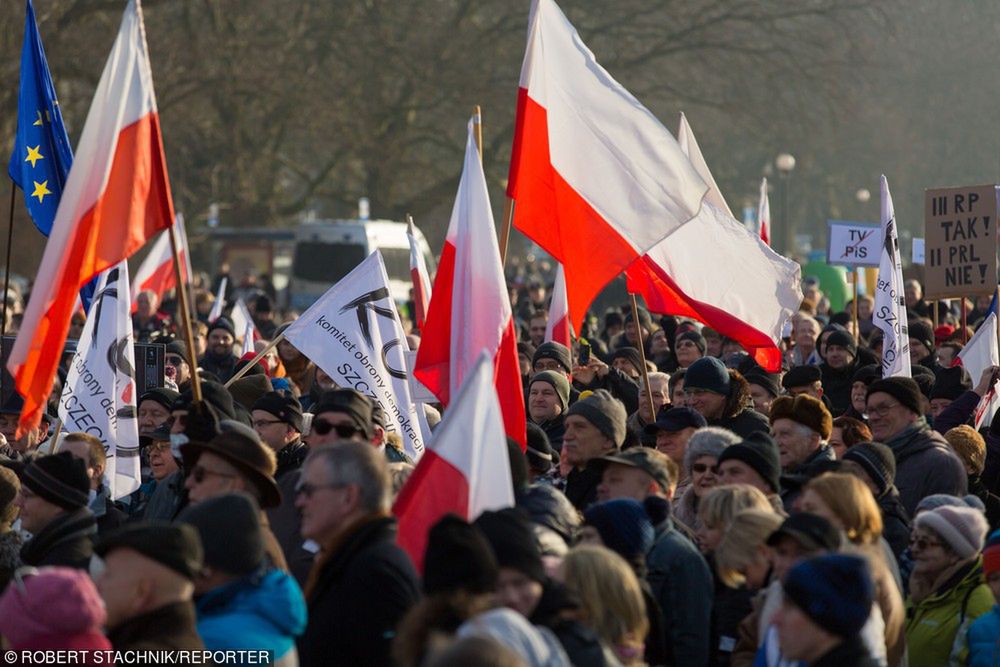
pixel 962 528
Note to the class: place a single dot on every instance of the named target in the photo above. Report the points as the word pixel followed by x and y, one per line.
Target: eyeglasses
pixel 199 473
pixel 921 543
pixel 159 446
pixel 322 427
pixel 702 468
pixel 173 360
pixel 261 423
pixel 882 410
pixel 306 489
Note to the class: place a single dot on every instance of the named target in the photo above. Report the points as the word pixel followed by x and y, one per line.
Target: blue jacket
pixel 262 612
pixel 984 639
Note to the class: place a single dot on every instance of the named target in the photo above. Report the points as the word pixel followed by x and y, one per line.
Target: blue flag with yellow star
pixel 42 155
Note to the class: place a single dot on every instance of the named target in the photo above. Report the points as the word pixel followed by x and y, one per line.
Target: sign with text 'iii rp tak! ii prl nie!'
pixel 960 242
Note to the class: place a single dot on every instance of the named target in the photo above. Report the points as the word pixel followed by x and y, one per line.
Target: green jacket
pixel 936 626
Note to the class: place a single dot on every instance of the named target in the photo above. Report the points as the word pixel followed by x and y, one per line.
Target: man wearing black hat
pixel 548 400
pixel 176 366
pixel 154 409
pixel 925 463
pixel 922 345
pixel 754 461
pixel 595 427
pixel 949 385
pixel 672 430
pixel 838 370
pixel 219 358
pixel 764 388
pixel 147 584
pixel 53 508
pixel 722 397
pixel 341 414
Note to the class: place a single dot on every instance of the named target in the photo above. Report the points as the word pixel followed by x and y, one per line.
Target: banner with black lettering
pixel 99 395
pixel 354 334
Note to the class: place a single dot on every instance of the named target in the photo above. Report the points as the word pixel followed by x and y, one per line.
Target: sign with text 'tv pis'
pixel 853 243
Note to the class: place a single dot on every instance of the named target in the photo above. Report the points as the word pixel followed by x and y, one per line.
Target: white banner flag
pixel 99 395
pixel 980 353
pixel 220 301
pixel 354 334
pixel 890 304
pixel 243 325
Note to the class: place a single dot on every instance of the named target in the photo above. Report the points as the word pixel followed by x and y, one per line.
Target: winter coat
pixel 555 429
pixel 743 423
pixel 895 521
pixel 637 427
pixel 357 593
pixel 106 513
pixel 549 508
pixel 265 611
pixel 837 385
pixel 925 465
pixel 166 498
pixel 67 540
pixel 223 367
pixel 581 485
pixel 168 628
pixel 285 520
pixel 984 639
pixel 937 623
pixel 682 583
pixel 729 607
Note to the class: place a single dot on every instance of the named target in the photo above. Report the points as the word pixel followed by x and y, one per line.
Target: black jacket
pixel 850 653
pixel 555 429
pixel 222 367
pixel 581 485
pixel 837 386
pixel 357 596
pixel 168 628
pixel 744 422
pixel 285 520
pixel 895 521
pixel 66 541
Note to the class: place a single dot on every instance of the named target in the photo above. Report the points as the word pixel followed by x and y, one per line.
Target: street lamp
pixel 863 195
pixel 785 162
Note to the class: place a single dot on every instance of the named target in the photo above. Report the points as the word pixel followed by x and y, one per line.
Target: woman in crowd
pixel 847 432
pixel 700 460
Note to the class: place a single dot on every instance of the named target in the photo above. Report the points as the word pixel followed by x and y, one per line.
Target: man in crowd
pixel 177 366
pixel 536 327
pixel 806 332
pixel 838 370
pixel 341 414
pixel 154 409
pixel 754 461
pixel 806 379
pixel 90 450
pixel 219 359
pixel 637 473
pixel 721 397
pixel 147 323
pixel 672 430
pixel 646 414
pixel 595 427
pixel 801 427
pixel 764 388
pixel 548 400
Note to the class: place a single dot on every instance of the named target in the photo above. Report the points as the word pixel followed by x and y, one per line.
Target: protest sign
pixel 853 244
pixel 961 241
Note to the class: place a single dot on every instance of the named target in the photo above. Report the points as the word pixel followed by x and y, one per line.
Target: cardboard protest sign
pixel 960 241
pixel 853 244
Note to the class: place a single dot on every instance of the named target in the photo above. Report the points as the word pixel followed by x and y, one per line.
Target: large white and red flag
pixel 558 328
pixel 764 214
pixel 117 197
pixel 980 353
pixel 597 179
pixel 464 471
pixel 421 279
pixel 718 272
pixel 156 273
pixel 471 309
pixel 890 298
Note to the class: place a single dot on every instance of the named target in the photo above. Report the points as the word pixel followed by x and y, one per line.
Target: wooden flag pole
pixel 508 218
pixel 857 326
pixel 965 330
pixel 477 127
pixel 185 314
pixel 6 270
pixel 260 355
pixel 642 355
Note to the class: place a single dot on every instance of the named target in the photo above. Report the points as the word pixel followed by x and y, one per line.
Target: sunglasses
pixel 306 489
pixel 322 427
pixel 921 543
pixel 199 473
pixel 702 468
pixel 173 360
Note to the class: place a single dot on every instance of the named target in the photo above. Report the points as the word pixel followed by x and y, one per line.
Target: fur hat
pixel 805 410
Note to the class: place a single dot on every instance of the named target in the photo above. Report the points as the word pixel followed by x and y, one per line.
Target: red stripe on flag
pixel 510 391
pixel 434 354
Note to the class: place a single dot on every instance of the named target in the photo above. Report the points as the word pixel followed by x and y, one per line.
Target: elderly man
pixel 363 583
pixel 801 427
pixel 644 416
pixel 925 463
pixel 548 400
pixel 637 473
pixel 806 331
pixel 154 409
pixel 672 430
pixel 838 370
pixel 147 586
pixel 341 414
pixel 721 397
pixel 595 427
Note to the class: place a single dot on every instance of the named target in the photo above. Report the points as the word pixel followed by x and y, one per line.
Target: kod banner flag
pixel 354 334
pixel 99 395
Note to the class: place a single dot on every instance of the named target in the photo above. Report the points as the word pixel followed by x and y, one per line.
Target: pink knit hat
pixel 57 603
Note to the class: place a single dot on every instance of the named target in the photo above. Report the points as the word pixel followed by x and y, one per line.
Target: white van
pixel 327 250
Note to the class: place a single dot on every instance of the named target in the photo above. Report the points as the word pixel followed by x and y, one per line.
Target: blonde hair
pixel 609 593
pixel 722 503
pixel 969 446
pixel 740 546
pixel 852 502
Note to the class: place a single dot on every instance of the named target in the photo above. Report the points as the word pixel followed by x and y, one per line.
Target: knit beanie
pixel 877 461
pixel 867 374
pixel 223 323
pixel 229 527
pixel 556 351
pixel 179 348
pixel 936 500
pixel 922 332
pixel 165 397
pixel 806 410
pixel 60 479
pixel 767 381
pixel 539 450
pixel 629 354
pixel 991 554
pixel 800 376
pixel 924 377
pixel 709 441
pixel 834 590
pixel 962 528
pixel 904 390
pixel 350 402
pixel 759 452
pixel 845 340
pixel 286 408
pixel 696 338
pixel 57 606
pixel 951 383
pixel 707 374
pixel 605 412
pixel 623 525
pixel 558 382
pixel 509 534
pixel 458 557
pixel 249 388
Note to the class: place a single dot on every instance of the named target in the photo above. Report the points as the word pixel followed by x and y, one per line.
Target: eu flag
pixel 42 154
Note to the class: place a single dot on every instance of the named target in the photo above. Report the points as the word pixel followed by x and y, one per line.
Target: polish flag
pixel 598 181
pixel 980 353
pixel 156 272
pixel 464 471
pixel 117 197
pixel 418 272
pixel 558 328
pixel 220 301
pixel 718 272
pixel 764 213
pixel 471 310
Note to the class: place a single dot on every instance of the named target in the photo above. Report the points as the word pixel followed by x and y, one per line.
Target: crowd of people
pixel 677 504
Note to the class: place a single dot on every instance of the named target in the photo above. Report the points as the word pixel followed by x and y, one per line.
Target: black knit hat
pixel 922 332
pixel 676 419
pixel 759 452
pixel 878 462
pixel 513 541
pixel 222 323
pixel 165 397
pixel 230 532
pixel 951 383
pixel 605 412
pixel 924 377
pixel 843 339
pixel 800 376
pixel 556 351
pixel 541 458
pixel 173 545
pixel 708 374
pixel 458 557
pixel 904 390
pixel 59 478
pixel 645 320
pixel 179 348
pixel 835 591
pixel 629 354
pixel 767 381
pixel 696 338
pixel 349 402
pixel 249 388
pixel 286 408
pixel 867 374
pixel 215 395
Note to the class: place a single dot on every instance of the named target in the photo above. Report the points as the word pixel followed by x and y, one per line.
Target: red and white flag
pixel 718 272
pixel 220 301
pixel 980 353
pixel 597 179
pixel 156 272
pixel 558 328
pixel 245 329
pixel 117 197
pixel 418 273
pixel 471 309
pixel 764 213
pixel 464 471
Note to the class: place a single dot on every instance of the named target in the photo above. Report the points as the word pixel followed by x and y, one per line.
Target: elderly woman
pixel 700 460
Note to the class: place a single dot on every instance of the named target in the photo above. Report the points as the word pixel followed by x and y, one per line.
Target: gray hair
pixel 360 464
pixel 662 377
pixel 708 441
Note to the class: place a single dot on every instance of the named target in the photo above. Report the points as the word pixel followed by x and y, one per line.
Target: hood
pixel 276 600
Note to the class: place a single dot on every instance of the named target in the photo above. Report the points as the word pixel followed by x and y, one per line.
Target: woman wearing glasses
pixel 701 460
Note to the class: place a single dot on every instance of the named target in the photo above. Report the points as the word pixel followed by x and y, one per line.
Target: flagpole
pixel 965 330
pixel 260 355
pixel 857 327
pixel 6 272
pixel 185 313
pixel 642 355
pixel 477 125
